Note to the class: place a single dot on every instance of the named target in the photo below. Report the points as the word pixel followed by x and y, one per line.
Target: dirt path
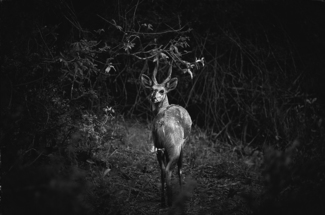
pixel 216 180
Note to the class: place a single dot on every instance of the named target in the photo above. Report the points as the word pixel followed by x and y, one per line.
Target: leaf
pixel 150 27
pixel 109 67
pixel 90 161
pixel 106 172
pixel 164 56
pixel 189 72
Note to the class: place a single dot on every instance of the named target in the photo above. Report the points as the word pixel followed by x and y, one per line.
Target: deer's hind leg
pixel 179 165
pixel 162 164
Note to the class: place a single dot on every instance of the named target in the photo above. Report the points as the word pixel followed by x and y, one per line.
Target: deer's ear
pixel 171 84
pixel 146 81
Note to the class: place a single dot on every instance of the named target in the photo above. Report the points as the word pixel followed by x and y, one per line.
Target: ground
pixel 217 180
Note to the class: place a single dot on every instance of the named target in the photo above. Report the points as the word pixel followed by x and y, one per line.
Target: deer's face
pixel 158 91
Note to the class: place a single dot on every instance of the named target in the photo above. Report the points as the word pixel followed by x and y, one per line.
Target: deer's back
pixel 171 127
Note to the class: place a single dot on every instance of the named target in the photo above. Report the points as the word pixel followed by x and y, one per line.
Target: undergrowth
pixel 257 146
pixel 116 172
pixel 130 181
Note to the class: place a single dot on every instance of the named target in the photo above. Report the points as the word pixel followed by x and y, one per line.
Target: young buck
pixel 171 128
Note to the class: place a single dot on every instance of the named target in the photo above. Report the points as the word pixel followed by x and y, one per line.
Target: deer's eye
pixel 161 91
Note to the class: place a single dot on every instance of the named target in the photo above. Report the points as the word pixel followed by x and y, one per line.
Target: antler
pixel 169 73
pixel 154 79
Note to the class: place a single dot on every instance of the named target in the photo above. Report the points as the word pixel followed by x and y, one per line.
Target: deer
pixel 171 128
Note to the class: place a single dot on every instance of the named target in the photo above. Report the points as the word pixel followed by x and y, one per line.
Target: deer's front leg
pixel 160 157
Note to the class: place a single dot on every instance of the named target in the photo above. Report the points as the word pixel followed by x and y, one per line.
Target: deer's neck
pixel 160 106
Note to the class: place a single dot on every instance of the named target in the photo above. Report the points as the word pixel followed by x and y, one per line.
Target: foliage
pixel 67 88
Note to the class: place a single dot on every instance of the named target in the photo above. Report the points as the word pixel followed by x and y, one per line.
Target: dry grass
pixel 216 178
pixel 120 175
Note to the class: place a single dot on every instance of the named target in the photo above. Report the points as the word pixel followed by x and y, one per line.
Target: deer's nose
pixel 154 99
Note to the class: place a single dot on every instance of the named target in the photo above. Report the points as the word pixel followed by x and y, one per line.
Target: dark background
pixel 70 65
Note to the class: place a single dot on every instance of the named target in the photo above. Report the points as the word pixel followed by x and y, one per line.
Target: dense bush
pixel 68 84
